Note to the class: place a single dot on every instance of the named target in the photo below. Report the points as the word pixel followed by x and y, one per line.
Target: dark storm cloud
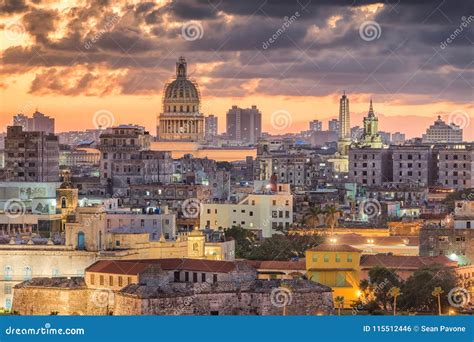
pixel 8 7
pixel 312 56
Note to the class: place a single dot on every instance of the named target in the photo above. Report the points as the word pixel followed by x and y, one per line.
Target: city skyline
pixel 120 62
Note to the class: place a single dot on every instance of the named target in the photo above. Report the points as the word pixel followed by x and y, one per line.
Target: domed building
pixel 181 119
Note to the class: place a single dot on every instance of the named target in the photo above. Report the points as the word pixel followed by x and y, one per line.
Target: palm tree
pixel 312 216
pixel 340 302
pixel 437 291
pixel 394 292
pixel 332 216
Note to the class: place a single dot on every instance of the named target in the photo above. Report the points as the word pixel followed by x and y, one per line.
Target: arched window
pixel 28 273
pixel 8 273
pixel 63 202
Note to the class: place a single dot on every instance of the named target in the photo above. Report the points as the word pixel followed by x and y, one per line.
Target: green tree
pixel 340 303
pixel 394 292
pixel 381 279
pixel 284 247
pixel 437 292
pixel 245 240
pixel 332 215
pixel 417 289
pixel 312 216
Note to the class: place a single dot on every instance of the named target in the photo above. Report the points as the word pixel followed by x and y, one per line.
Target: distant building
pixel 333 125
pixel 345 138
pixel 441 132
pixel 31 156
pixel 370 166
pixel 370 136
pixel 413 164
pixel 456 166
pixel 244 124
pixel 386 137
pixel 211 125
pixel 315 126
pixel 398 138
pixel 38 123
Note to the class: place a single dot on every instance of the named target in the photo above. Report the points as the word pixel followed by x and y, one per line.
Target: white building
pixel 441 132
pixel 464 215
pixel 269 207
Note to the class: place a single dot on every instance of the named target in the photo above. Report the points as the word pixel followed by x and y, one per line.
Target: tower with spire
pixel 371 136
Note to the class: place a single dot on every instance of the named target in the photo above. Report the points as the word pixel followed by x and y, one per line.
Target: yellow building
pixel 336 266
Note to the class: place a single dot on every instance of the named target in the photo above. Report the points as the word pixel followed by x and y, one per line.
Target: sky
pixel 292 59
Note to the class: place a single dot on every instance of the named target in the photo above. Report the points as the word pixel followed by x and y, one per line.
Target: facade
pixel 244 124
pixel 126 159
pixel 38 123
pixel 370 166
pixel 263 211
pixel 211 127
pixel 333 125
pixel 169 287
pixel 456 166
pixel 398 138
pixel 181 119
pixel 441 132
pixel 414 164
pixel 31 156
pixel 80 157
pixel 336 266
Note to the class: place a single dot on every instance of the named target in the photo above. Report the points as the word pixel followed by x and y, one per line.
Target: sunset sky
pixel 71 59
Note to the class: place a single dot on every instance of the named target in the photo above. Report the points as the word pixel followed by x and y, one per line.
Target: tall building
pixel 315 126
pixel 31 156
pixel 441 132
pixel 244 124
pixel 344 126
pixel 181 119
pixel 38 123
pixel 333 125
pixel 210 127
pixel 371 136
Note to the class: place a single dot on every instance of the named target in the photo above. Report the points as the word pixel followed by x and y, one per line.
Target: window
pixel 28 273
pixel 326 258
pixel 315 258
pixel 8 289
pixel 120 281
pixel 92 279
pixel 349 257
pixel 340 279
pixel 8 273
pixel 338 257
pixel 176 276
pixel 101 280
pixel 195 277
pixel 214 278
pixel 129 280
pixel 186 276
pixel 203 277
pixel 111 281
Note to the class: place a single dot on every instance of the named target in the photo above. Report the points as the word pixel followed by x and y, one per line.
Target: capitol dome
pixel 182 94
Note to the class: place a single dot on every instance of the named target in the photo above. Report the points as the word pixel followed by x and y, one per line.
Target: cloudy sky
pixel 72 58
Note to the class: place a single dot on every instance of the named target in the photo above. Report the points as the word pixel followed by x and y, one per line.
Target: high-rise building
pixel 38 123
pixel 181 119
pixel 315 126
pixel 210 127
pixel 333 125
pixel 441 132
pixel 244 124
pixel 31 156
pixel 371 136
pixel 344 126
